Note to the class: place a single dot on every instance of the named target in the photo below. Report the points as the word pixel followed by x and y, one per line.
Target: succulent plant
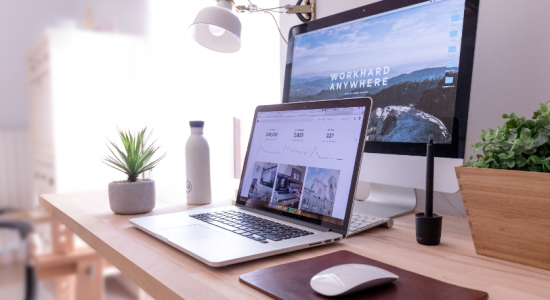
pixel 136 156
pixel 520 144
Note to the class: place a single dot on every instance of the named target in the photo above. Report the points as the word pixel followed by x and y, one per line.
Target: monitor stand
pixel 387 201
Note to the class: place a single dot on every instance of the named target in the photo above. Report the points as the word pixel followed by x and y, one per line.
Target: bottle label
pixel 189 187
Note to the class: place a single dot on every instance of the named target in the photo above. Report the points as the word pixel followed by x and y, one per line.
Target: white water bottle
pixel 197 161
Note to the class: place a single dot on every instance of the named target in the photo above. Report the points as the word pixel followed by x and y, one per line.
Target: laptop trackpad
pixel 188 232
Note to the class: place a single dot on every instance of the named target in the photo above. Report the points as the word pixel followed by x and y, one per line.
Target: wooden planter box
pixel 508 213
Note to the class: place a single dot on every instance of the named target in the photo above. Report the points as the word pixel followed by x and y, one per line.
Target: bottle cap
pixel 196 123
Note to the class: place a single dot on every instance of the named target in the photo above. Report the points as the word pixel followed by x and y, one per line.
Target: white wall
pixel 22 22
pixel 510 67
pixel 190 82
pixel 185 80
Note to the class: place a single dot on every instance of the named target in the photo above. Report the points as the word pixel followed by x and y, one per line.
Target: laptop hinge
pixel 343 233
pixel 286 219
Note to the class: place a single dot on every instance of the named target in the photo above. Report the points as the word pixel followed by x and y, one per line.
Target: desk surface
pixel 166 273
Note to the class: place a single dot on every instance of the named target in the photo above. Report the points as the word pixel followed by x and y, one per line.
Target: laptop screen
pixel 310 156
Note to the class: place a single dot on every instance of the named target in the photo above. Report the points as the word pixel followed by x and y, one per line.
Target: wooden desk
pixel 166 273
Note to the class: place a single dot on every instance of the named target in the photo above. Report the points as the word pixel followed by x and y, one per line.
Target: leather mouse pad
pixel 291 281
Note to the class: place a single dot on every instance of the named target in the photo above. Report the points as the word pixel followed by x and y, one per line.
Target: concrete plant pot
pixel 132 198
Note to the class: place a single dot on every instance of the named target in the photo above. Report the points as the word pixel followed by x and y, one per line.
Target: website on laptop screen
pixel 302 162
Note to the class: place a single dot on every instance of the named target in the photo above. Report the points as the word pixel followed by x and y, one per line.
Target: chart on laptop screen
pixel 406 60
pixel 302 161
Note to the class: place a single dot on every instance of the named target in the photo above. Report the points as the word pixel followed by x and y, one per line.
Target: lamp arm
pixel 308 9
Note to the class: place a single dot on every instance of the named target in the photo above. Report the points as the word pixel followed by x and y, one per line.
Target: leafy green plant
pixel 519 145
pixel 136 156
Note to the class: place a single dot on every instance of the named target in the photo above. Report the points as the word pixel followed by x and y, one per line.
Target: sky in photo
pixel 406 40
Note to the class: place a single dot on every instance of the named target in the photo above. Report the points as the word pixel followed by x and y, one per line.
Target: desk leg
pixel 64 287
pixel 89 279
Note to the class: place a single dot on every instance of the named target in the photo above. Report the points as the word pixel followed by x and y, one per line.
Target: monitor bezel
pixel 462 103
pixel 355 102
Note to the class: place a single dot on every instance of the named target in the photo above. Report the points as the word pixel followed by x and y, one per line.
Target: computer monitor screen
pixel 282 182
pixel 268 174
pixel 408 60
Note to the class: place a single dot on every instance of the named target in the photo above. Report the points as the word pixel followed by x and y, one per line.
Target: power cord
pixel 279 28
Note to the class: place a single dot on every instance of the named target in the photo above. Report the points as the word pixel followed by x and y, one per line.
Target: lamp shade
pixel 217 28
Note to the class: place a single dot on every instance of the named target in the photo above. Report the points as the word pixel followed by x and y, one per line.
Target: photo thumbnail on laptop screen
pixel 302 162
pixel 406 60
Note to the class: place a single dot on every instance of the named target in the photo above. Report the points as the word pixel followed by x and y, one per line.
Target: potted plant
pixel 133 195
pixel 506 190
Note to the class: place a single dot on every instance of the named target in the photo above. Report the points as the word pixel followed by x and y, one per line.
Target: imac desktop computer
pixel 414 58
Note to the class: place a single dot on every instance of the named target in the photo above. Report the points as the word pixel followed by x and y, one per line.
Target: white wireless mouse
pixel 350 278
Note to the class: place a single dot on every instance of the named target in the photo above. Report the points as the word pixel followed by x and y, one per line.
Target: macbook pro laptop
pixel 314 149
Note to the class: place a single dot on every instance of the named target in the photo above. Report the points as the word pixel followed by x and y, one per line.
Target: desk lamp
pixel 218 28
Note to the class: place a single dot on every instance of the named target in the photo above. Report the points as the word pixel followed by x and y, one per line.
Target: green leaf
pixel 502 144
pixel 528 144
pixel 471 163
pixel 135 159
pixel 530 151
pixel 535 159
pixel 513 115
pixel 540 139
pixel 521 161
pixel 513 123
pixel 491 135
pixel 511 163
pixel 543 107
pixel 512 137
pixel 476 146
pixel 505 116
pixel 535 169
pixel 525 134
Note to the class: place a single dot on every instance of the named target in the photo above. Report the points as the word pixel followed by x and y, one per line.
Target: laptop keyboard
pixel 252 227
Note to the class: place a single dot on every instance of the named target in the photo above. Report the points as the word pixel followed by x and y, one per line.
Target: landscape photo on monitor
pixel 406 60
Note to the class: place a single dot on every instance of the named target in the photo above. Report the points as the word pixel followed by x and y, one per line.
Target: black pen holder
pixel 428 229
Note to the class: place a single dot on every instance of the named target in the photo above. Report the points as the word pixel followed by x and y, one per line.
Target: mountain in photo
pixel 440 100
pixel 318 87
pixel 406 125
pixel 404 93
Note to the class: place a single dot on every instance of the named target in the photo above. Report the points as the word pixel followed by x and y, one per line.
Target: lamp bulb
pixel 215 30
